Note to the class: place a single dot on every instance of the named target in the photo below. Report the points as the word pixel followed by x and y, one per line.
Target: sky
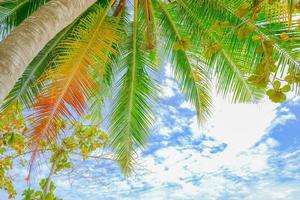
pixel 244 151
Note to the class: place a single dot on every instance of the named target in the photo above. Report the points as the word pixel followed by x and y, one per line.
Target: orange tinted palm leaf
pixel 69 85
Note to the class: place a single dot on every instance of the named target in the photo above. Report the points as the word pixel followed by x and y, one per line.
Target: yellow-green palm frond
pixel 285 31
pixel 278 11
pixel 68 86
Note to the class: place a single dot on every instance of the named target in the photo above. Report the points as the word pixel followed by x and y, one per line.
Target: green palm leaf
pixel 132 114
pixel 191 77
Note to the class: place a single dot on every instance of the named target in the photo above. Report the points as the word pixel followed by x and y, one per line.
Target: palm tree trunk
pixel 29 38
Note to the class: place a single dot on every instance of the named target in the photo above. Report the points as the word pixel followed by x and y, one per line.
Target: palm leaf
pixel 132 115
pixel 192 78
pixel 283 20
pixel 68 86
pixel 288 52
pixel 101 93
pixel 150 22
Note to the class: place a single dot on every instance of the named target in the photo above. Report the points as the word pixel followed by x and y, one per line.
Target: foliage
pixel 30 194
pixel 12 129
pixel 6 182
pixel 131 115
pixel 12 141
pixel 72 83
pixel 248 48
pixel 87 140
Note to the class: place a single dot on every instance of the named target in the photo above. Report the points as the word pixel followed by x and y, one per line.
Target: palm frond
pixel 192 78
pixel 132 114
pixel 68 86
pixel 102 92
pixel 13 12
pixel 288 49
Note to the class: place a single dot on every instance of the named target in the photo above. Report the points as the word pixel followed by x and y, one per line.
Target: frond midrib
pixel 133 75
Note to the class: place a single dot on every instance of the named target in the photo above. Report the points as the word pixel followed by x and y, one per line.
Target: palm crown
pixel 115 47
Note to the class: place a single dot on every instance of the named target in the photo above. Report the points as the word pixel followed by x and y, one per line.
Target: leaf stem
pixel 51 174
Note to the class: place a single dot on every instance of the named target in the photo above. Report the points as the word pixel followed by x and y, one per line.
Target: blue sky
pixel 244 151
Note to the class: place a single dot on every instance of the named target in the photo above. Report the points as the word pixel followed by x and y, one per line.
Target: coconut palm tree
pixel 70 55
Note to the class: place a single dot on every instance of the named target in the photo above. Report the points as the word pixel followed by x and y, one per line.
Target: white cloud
pixel 195 129
pixel 62 183
pixel 284 109
pixel 168 89
pixel 165 131
pixel 274 191
pixel 296 100
pixel 282 119
pixel 167 92
pixel 180 166
pixel 240 126
pixel 187 105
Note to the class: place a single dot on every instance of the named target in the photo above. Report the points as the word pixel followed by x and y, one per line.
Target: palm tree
pixel 70 63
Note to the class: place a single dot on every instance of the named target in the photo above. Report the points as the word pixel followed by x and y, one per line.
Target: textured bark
pixel 29 38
